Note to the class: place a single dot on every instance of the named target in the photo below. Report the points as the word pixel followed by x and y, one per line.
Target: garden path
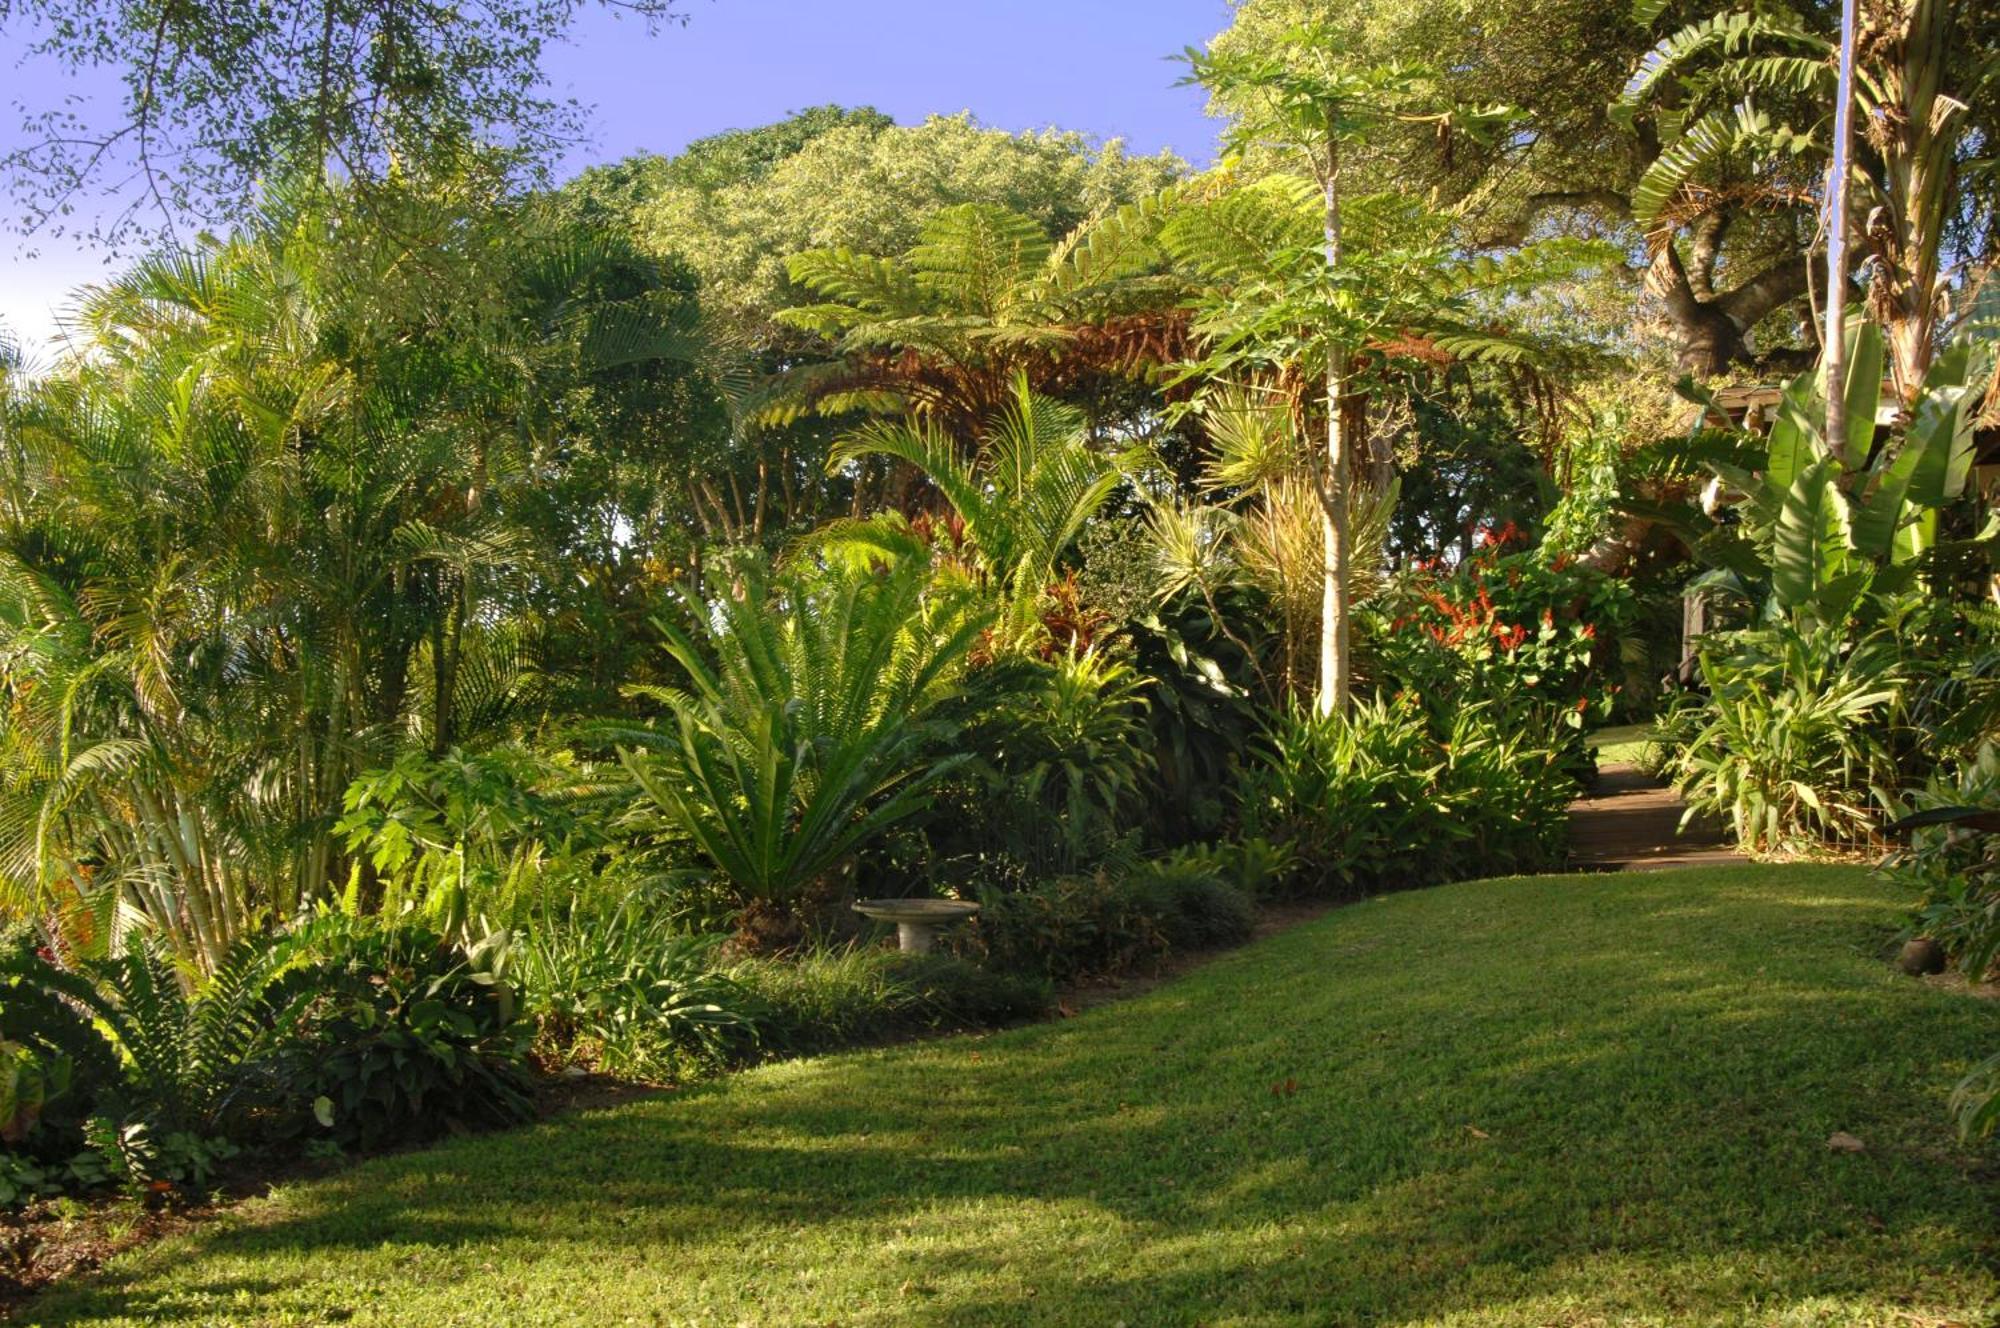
pixel 1631 822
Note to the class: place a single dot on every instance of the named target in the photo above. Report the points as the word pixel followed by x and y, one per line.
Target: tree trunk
pixel 1334 629
pixel 1711 333
pixel 1918 147
pixel 1833 340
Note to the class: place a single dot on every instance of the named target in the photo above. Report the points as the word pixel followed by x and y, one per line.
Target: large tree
pixel 1612 141
pixel 736 216
pixel 217 95
pixel 1292 299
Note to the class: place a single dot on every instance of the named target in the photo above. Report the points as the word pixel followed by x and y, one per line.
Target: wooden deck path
pixel 1629 822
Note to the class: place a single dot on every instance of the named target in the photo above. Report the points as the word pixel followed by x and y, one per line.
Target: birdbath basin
pixel 917 920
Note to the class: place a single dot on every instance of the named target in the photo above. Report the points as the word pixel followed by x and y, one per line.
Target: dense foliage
pixel 452 632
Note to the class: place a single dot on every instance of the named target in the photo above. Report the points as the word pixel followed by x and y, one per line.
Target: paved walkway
pixel 1629 822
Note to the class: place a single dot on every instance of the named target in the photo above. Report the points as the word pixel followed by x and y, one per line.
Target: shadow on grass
pixel 1578 1096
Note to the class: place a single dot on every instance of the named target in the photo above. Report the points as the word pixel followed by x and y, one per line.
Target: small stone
pixel 1840 1141
pixel 1921 957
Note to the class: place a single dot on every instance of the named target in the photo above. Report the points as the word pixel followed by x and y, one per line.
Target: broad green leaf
pixel 1863 392
pixel 1793 439
pixel 1941 429
pixel 1885 507
pixel 1812 542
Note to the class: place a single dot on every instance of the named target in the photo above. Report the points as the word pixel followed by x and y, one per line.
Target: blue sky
pixel 1100 66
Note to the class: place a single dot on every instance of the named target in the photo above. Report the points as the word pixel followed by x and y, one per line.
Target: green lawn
pixel 1623 744
pixel 1565 1100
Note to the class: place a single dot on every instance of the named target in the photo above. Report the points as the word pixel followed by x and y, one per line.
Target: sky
pixel 1100 66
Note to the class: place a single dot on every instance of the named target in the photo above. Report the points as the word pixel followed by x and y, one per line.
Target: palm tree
pixel 261 534
pixel 1020 501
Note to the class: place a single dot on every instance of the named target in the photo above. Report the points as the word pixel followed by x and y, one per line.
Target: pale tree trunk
pixel 1834 339
pixel 1334 629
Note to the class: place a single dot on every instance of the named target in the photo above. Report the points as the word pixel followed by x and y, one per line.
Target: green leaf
pixel 1863 393
pixel 1941 429
pixel 1812 541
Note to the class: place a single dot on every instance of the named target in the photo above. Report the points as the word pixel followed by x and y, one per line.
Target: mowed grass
pixel 1624 744
pixel 1562 1100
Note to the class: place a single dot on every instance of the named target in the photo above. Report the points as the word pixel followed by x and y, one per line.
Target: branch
pixel 1668 280
pixel 1706 251
pixel 1610 202
pixel 1777 284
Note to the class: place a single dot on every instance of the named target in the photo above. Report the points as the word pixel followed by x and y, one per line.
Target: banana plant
pixel 1823 523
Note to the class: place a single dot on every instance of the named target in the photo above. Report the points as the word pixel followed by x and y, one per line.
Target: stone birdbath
pixel 917 920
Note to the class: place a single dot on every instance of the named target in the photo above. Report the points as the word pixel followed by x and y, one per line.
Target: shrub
pixel 1116 919
pixel 1257 867
pixel 1526 637
pixel 1505 796
pixel 168 1053
pixel 1061 760
pixel 1374 799
pixel 1954 869
pixel 1200 712
pixel 1954 866
pixel 1792 750
pixel 625 991
pixel 1069 928
pixel 399 1036
pixel 468 840
pixel 1976 1100
pixel 827 999
pixel 1194 905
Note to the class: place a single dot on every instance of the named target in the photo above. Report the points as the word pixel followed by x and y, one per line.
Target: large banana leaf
pixel 1863 393
pixel 1811 546
pixel 1941 428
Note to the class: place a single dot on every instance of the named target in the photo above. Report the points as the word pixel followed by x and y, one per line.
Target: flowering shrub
pixel 1526 636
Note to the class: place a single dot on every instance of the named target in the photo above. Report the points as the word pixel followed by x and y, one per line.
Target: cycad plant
pixel 805 730
pixel 159 1062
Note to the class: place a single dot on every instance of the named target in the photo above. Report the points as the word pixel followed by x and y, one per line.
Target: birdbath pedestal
pixel 917 920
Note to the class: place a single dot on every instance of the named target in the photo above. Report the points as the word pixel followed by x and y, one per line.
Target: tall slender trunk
pixel 1834 339
pixel 1334 630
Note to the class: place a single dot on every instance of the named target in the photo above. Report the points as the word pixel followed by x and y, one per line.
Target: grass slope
pixel 1580 1100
